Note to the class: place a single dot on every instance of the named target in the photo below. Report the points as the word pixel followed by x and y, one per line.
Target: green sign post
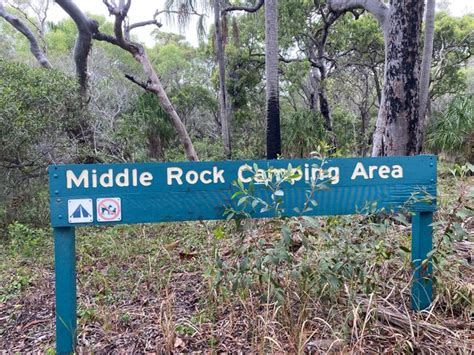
pixel 105 194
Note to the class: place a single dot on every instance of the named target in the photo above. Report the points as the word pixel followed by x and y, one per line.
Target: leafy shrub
pixel 41 122
pixel 452 131
pixel 26 241
pixel 317 256
pixel 302 131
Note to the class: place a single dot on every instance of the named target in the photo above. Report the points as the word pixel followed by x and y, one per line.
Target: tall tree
pixel 398 127
pixel 223 99
pixel 318 58
pixel 89 29
pixel 426 64
pixel 272 81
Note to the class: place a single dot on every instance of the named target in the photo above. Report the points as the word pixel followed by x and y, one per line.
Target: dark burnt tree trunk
pixel 271 73
pixel 323 100
pixel 402 79
pixel 399 128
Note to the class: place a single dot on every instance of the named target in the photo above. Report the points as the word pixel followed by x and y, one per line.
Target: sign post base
pixel 65 269
pixel 421 245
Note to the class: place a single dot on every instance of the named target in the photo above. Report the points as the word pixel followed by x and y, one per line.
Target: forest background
pixel 80 88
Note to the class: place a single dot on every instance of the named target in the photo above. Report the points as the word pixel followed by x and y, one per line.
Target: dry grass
pixel 153 289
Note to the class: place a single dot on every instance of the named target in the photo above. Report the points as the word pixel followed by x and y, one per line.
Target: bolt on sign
pixel 107 194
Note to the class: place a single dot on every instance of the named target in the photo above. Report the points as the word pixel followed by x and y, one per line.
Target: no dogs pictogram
pixel 109 209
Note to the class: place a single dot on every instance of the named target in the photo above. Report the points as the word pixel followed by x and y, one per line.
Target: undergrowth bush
pixel 26 241
pixel 332 258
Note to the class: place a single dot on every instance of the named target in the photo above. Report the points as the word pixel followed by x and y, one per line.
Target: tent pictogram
pixel 80 211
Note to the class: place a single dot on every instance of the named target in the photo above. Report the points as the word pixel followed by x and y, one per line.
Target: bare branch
pixel 254 8
pixel 135 81
pixel 27 18
pixel 144 23
pixel 280 58
pixel 376 7
pixel 22 28
pixel 104 37
pixel 86 28
pixel 155 22
pixel 121 39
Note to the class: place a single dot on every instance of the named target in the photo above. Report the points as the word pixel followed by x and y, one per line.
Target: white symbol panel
pixel 109 209
pixel 80 211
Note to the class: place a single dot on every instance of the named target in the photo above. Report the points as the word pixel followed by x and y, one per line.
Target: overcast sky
pixel 144 10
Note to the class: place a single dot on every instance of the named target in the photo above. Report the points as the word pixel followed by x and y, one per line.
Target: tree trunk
pixel 154 85
pixel 155 146
pixel 364 123
pixel 223 104
pixel 310 89
pixel 398 123
pixel 426 67
pixel 271 73
pixel 323 100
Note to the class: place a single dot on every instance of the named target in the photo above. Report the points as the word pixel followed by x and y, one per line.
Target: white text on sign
pixel 215 175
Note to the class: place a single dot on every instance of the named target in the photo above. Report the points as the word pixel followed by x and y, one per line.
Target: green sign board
pixel 104 194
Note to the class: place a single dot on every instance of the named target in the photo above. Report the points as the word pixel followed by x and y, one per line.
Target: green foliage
pixel 193 99
pixel 311 256
pixel 302 131
pixel 451 131
pixel 209 149
pixel 61 36
pixel 452 48
pixel 26 241
pixel 145 129
pixel 243 76
pixel 36 106
pixel 173 61
pixel 361 38
pixel 41 122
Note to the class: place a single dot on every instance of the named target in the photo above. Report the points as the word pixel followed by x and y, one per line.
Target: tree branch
pixel 155 22
pixel 144 23
pixel 22 28
pixel 135 81
pixel 120 12
pixel 254 8
pixel 376 7
pixel 86 27
pixel 280 58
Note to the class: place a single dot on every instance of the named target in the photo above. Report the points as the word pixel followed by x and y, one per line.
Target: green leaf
pixel 242 200
pixel 235 194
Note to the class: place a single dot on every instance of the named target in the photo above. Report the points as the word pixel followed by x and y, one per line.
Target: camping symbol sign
pixel 80 211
